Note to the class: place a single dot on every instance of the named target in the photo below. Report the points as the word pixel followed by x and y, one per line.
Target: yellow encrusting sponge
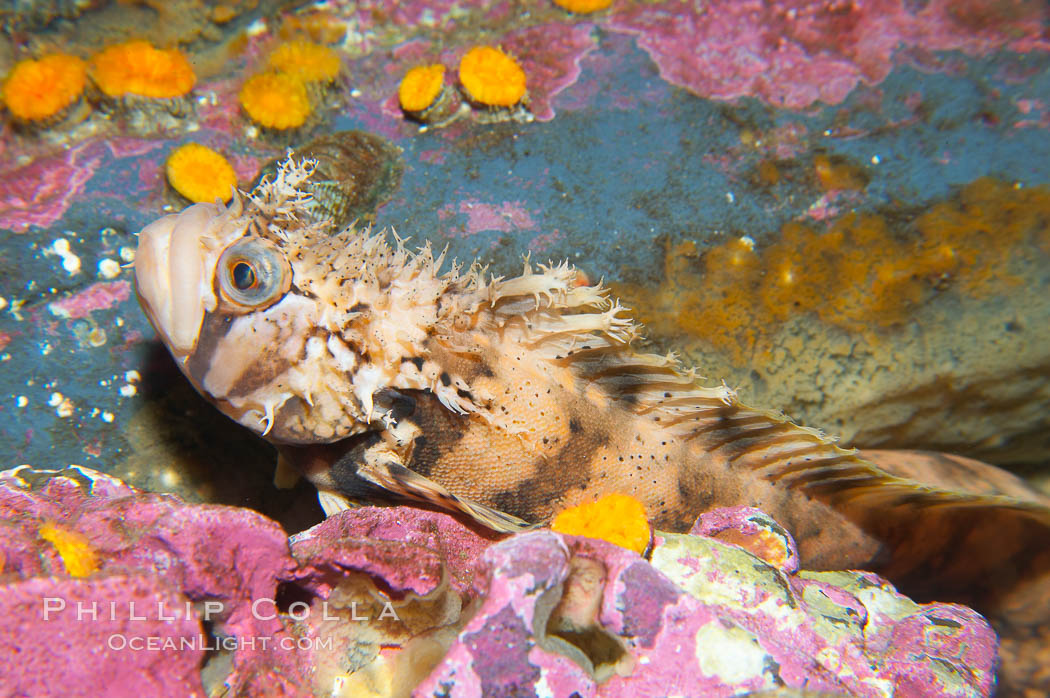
pixel 616 518
pixel 77 554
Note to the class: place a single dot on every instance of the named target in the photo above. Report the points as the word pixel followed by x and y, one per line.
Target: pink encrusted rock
pixel 376 597
pixel 409 549
pixel 65 641
pixel 204 562
pixel 706 617
pixel 793 54
pixel 39 193
pixel 754 531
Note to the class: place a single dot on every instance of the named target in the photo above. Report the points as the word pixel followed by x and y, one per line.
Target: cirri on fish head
pixel 288 326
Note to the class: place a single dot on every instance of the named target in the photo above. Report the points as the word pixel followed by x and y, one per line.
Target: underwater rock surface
pixel 399 601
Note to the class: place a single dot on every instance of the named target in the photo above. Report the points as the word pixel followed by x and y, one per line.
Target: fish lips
pixel 175 269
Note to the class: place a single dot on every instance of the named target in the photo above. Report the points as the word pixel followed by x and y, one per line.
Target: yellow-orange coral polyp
pixel 137 68
pixel 305 60
pixel 616 518
pixel 491 77
pixel 200 174
pixel 38 89
pixel 583 6
pixel 275 100
pixel 420 87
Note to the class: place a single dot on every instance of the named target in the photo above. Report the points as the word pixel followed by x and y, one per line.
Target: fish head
pixel 257 307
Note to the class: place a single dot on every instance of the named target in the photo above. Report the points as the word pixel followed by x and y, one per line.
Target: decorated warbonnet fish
pixel 507 399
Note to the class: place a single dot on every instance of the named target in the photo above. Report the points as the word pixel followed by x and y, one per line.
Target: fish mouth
pixel 174 270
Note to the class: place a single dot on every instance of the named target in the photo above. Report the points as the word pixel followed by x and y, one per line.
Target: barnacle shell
pixel 356 172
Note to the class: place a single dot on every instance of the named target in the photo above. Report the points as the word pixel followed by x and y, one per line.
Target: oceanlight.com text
pixel 136 643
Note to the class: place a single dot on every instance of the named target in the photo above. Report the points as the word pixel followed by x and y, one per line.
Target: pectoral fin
pixel 332 503
pixel 385 472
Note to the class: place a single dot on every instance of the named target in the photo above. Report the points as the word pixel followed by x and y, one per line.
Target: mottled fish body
pixel 383 378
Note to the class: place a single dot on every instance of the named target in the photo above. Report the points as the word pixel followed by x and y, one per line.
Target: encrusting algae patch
pixel 864 274
pixel 616 518
pixel 77 554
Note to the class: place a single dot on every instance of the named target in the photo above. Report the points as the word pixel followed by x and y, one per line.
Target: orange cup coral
pixel 275 100
pixel 137 68
pixel 307 61
pixel 616 518
pixel 200 174
pixel 583 6
pixel 420 87
pixel 491 77
pixel 39 89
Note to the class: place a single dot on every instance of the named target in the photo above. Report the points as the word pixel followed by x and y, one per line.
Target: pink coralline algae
pixel 550 55
pixel 39 193
pixel 504 217
pixel 417 601
pixel 101 295
pixel 795 54
pixel 178 562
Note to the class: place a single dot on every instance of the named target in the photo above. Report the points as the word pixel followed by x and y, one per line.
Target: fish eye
pixel 243 275
pixel 253 274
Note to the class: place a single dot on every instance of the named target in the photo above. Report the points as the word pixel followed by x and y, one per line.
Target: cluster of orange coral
pixel 863 274
pixel 279 98
pixel 489 78
pixel 37 90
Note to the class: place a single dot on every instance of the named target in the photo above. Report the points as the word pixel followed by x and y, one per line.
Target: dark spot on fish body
pixel 214 327
pixel 359 307
pixel 343 470
pixel 398 404
pixel 446 379
pixel 569 469
pixel 441 432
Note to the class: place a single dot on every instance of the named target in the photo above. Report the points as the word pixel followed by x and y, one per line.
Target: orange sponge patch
pixel 307 61
pixel 77 554
pixel 275 100
pixel 864 273
pixel 200 174
pixel 137 68
pixel 420 87
pixel 616 518
pixel 583 6
pixel 37 90
pixel 491 77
